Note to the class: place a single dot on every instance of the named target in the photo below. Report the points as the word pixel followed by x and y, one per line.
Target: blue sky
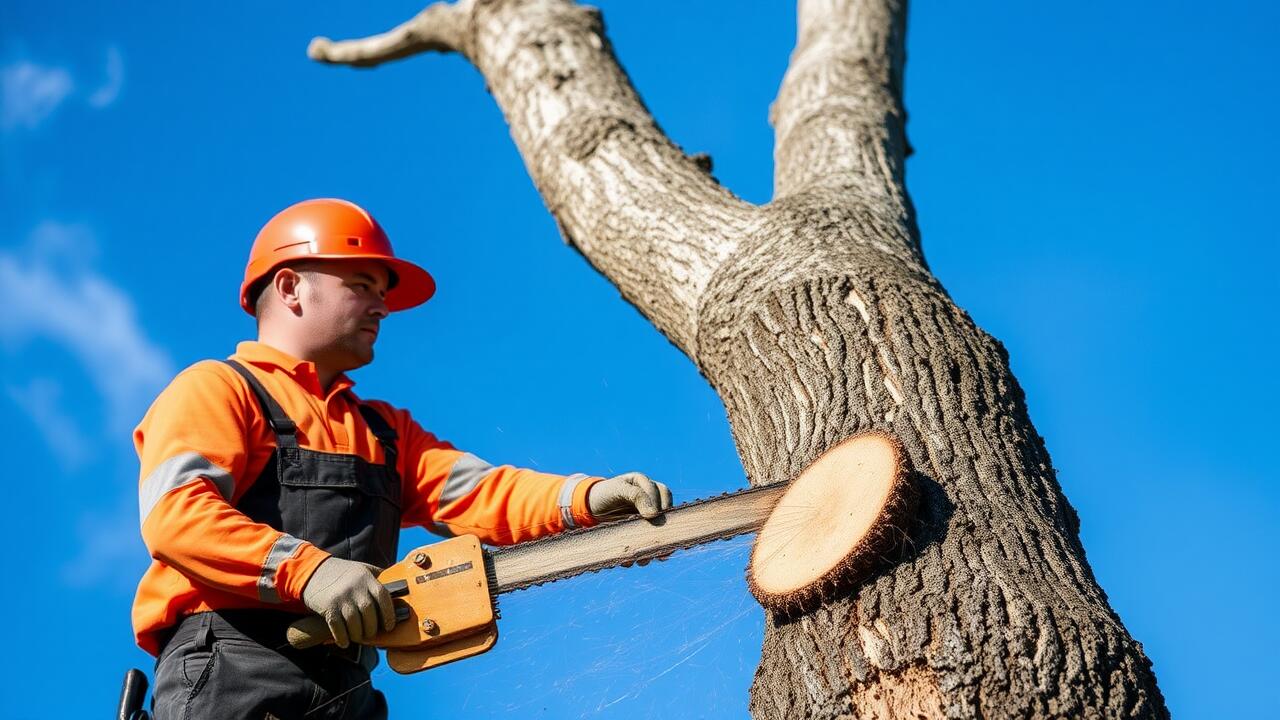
pixel 1095 184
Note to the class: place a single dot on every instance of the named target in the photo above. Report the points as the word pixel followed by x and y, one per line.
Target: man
pixel 270 490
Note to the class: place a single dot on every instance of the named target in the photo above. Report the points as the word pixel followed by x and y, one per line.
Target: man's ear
pixel 287 285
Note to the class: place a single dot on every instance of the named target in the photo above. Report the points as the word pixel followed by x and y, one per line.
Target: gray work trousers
pixel 236 664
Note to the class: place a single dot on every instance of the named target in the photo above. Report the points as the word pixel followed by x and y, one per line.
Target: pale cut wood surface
pixel 825 516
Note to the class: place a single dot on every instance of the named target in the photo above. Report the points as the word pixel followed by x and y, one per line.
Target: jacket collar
pixel 302 371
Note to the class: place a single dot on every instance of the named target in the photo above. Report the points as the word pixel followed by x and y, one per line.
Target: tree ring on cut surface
pixel 835 523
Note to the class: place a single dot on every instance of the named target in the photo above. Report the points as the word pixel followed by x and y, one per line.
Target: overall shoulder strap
pixel 382 430
pixel 285 430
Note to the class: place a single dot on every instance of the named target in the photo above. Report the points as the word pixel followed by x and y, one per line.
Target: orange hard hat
pixel 332 229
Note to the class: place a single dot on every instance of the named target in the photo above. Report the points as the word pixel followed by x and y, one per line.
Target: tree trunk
pixel 815 317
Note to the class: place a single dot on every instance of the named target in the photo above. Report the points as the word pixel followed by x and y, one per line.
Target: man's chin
pixel 357 356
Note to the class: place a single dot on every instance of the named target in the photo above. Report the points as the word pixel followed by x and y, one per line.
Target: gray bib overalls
pixel 236 663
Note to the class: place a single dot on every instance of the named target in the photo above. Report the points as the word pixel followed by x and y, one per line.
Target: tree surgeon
pixel 269 489
pixel 815 317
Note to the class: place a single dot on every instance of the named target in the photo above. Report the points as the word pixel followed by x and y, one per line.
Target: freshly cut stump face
pixel 836 521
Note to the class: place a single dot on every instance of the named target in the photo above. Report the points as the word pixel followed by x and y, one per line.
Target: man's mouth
pixel 373 332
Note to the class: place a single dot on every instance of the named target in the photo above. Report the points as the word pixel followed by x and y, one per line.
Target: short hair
pixel 256 293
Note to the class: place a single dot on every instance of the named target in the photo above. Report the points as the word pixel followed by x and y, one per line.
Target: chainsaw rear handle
pixel 312 630
pixel 308 632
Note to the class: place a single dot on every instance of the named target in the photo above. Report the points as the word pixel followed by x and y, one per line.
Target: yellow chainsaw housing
pixel 451 607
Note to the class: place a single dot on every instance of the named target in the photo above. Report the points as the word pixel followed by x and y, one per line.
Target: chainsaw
pixel 838 521
pixel 445 594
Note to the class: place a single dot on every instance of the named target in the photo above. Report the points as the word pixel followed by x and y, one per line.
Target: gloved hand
pixel 628 493
pixel 349 597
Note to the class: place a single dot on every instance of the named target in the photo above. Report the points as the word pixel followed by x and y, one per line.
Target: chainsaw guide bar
pixel 629 540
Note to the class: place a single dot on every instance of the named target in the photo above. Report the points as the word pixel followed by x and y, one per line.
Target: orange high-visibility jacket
pixel 204 441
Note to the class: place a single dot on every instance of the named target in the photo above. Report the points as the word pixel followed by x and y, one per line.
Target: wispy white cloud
pixel 107 93
pixel 51 291
pixel 41 400
pixel 31 93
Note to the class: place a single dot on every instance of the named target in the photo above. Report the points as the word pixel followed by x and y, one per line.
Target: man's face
pixel 343 303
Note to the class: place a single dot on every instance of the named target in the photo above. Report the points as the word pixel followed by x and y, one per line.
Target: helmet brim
pixel 413 285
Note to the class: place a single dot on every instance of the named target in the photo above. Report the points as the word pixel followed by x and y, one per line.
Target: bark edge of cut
pixel 867 497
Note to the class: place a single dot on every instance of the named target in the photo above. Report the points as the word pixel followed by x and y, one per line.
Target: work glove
pixel 349 597
pixel 626 494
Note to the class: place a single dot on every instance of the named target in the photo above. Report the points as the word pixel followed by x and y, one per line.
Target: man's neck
pixel 326 375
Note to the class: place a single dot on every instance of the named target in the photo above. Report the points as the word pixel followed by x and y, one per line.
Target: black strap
pixel 383 431
pixel 285 430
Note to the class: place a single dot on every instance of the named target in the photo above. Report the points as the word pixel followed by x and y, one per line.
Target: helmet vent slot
pixel 353 241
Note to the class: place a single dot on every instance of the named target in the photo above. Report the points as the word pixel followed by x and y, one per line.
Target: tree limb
pixel 838 119
pixel 650 218
pixel 440 27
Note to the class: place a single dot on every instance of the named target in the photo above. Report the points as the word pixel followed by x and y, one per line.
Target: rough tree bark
pixel 814 317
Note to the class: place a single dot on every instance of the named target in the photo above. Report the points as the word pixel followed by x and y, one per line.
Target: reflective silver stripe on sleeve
pixel 466 473
pixel 439 529
pixel 566 499
pixel 177 471
pixel 283 549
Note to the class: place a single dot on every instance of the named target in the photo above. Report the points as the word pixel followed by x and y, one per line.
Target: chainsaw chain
pixel 659 552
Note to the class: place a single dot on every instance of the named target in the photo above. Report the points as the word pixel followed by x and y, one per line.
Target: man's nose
pixel 379 309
